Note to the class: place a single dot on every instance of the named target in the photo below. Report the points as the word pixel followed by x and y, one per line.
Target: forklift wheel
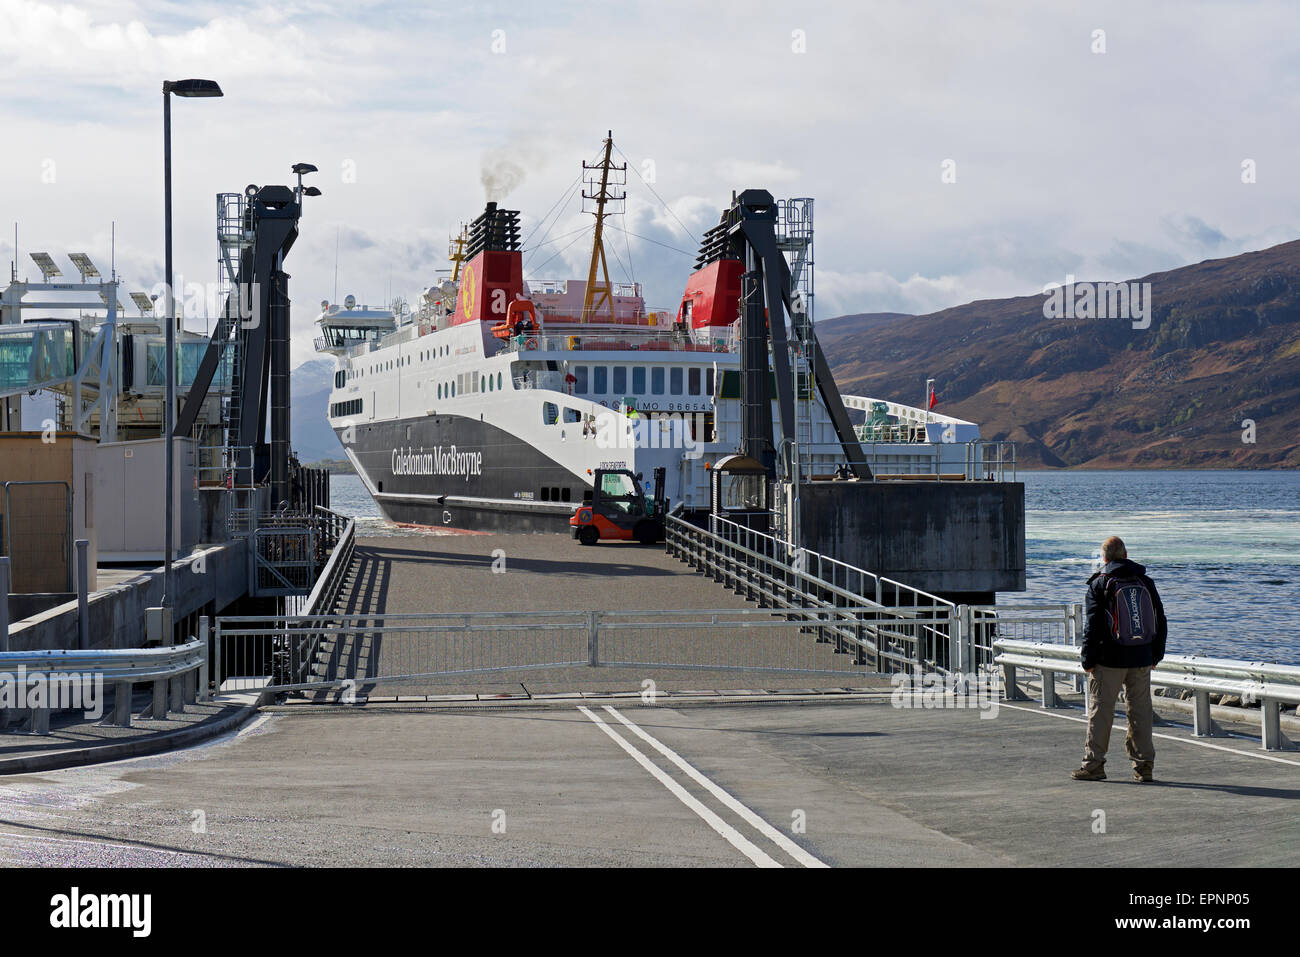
pixel 588 535
pixel 646 533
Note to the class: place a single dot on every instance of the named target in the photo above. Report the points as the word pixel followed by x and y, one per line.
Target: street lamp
pixel 187 88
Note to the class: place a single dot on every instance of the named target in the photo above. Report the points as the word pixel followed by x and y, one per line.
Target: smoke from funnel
pixel 500 177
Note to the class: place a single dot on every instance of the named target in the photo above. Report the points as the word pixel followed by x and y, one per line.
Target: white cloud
pixel 1112 165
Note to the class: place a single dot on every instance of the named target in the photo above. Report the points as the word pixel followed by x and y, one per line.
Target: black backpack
pixel 1129 610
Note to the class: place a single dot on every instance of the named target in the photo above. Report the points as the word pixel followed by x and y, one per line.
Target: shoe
pixel 1084 774
pixel 1143 774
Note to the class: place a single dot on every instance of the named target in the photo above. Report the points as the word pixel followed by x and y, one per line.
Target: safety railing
pixel 1269 685
pixel 901 628
pixel 1055 624
pixel 41 682
pixel 266 653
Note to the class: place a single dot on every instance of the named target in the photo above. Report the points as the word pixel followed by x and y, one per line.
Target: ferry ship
pixel 492 403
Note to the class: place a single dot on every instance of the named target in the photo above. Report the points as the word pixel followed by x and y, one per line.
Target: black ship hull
pixel 456 472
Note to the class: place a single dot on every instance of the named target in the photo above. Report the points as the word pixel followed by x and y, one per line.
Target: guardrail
pixel 900 627
pixel 374 649
pixel 1269 684
pixel 175 671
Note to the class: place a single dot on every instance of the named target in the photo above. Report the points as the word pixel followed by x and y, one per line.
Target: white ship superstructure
pixel 492 403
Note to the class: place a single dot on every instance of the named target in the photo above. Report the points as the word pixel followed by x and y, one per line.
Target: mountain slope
pixel 1223 346
pixel 309 396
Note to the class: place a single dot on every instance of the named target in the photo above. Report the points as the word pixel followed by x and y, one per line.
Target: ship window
pixel 498 380
pixel 572 415
pixel 440 390
pixel 565 493
pixel 657 380
pixel 453 390
pixel 693 381
pixel 708 381
pixel 550 413
pixel 482 383
pixel 638 379
pixel 675 381
pixel 546 494
pixel 620 380
pixel 599 380
pixel 580 373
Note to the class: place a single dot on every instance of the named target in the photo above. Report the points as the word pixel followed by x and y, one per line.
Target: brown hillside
pixel 1223 346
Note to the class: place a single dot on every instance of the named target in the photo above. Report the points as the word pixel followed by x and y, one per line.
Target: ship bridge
pixel 347 326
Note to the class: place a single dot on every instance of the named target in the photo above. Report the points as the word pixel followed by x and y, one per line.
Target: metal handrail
pixel 908 636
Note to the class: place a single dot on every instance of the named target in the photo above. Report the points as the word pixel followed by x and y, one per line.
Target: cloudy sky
pixel 1105 165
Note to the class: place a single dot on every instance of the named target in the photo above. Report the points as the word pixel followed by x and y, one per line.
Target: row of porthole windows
pixel 614 380
pixel 399 362
pixel 351 407
pixel 470 382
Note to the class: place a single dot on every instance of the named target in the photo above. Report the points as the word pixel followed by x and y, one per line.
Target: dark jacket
pixel 1099 645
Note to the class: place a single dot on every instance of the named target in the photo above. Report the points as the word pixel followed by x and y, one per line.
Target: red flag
pixel 934 398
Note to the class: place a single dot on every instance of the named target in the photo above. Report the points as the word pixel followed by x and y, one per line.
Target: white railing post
pixel 593 639
pixel 216 657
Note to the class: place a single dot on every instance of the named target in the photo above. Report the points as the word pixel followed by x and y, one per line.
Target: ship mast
pixel 600 296
pixel 456 252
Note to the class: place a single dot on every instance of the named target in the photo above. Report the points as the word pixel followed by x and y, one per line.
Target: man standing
pixel 1123 639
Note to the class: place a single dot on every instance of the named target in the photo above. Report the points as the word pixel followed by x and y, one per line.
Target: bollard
pixel 83 587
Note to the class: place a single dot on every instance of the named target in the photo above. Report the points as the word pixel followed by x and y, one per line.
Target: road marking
pixel 1166 737
pixel 253 725
pixel 734 837
pixel 750 817
pixel 13 840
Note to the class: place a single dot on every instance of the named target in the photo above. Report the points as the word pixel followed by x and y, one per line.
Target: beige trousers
pixel 1103 688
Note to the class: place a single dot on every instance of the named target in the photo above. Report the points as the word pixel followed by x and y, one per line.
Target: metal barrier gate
pixel 313 652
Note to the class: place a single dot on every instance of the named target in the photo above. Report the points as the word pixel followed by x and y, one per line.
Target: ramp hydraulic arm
pixel 252 339
pixel 766 299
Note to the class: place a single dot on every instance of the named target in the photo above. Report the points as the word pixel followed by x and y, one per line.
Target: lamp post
pixel 187 88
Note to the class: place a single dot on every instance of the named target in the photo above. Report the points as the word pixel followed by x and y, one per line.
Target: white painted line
pixel 750 817
pixel 1262 755
pixel 253 725
pixel 734 837
pixel 45 840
